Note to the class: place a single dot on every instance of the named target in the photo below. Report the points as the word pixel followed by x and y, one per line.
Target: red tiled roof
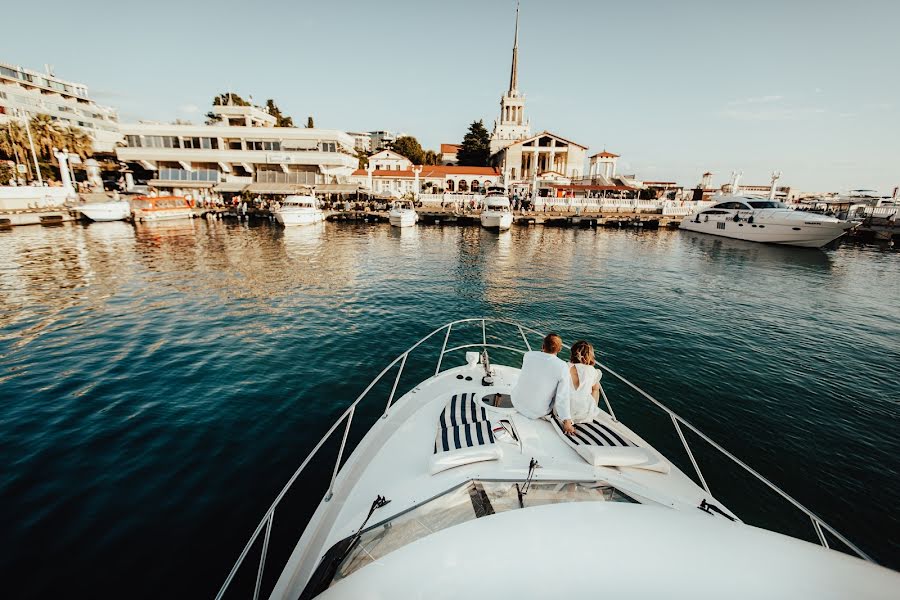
pixel 605 154
pixel 573 187
pixel 449 148
pixel 432 171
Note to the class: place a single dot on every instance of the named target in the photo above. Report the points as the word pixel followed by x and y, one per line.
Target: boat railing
pixel 264 527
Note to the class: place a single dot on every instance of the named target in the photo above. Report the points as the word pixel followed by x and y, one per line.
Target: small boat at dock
pixel 299 210
pixel 402 214
pixel 118 210
pixel 497 213
pixel 161 208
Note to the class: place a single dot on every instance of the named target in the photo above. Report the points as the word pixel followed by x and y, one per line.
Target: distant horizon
pixel 804 88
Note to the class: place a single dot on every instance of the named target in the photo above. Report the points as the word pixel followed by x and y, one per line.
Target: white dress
pixel 581 404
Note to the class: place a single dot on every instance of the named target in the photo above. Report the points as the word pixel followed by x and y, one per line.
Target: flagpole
pixel 37 167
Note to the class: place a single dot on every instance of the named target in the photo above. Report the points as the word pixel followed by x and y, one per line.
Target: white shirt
pixel 579 404
pixel 543 378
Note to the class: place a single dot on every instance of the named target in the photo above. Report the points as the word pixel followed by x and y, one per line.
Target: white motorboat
pixel 757 219
pixel 118 210
pixel 453 493
pixel 403 214
pixel 497 213
pixel 299 210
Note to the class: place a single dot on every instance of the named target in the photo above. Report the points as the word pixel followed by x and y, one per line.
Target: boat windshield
pixel 496 191
pixel 766 204
pixel 471 501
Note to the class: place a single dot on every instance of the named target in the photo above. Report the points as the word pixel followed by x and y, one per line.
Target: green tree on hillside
pixel 409 147
pixel 229 98
pixel 309 123
pixel 475 150
pixel 280 119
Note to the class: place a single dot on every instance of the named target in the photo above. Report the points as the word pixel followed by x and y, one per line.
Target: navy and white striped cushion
pixel 469 435
pixel 595 433
pixel 463 409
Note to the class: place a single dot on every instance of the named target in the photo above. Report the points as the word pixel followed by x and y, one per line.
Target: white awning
pixel 230 186
pixel 225 167
pixel 185 165
pixel 147 165
pixel 277 188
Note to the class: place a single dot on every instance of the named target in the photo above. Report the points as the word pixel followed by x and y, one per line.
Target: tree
pixel 362 158
pixel 76 141
pixel 46 135
pixel 408 146
pixel 309 122
pixel 431 158
pixel 14 142
pixel 475 150
pixel 280 119
pixel 229 98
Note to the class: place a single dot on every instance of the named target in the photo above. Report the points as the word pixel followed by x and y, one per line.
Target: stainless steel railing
pixel 346 418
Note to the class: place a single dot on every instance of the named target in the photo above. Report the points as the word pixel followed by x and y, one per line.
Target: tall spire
pixel 514 72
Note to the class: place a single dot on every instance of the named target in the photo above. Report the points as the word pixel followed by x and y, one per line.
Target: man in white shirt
pixel 543 379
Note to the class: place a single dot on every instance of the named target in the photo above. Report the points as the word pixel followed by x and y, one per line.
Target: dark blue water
pixel 158 385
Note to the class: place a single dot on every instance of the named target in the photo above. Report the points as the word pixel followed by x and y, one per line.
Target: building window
pixel 463 186
pixel 169 174
pixel 133 141
pixel 450 187
pixel 263 145
pixel 328 146
pixel 475 185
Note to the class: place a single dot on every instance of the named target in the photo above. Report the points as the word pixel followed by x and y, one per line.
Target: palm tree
pixel 76 141
pixel 46 135
pixel 13 141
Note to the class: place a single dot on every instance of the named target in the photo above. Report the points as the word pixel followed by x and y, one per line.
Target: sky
pixel 807 87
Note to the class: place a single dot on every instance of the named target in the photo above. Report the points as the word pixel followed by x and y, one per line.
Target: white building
pixel 526 160
pixel 379 140
pixel 389 173
pixel 362 141
pixel 512 124
pixel 243 151
pixel 25 93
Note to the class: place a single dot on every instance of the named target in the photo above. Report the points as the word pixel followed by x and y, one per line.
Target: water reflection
pixel 720 249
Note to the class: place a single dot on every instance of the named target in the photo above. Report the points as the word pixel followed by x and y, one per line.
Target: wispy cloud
pixel 102 94
pixel 757 100
pixel 771 113
pixel 188 108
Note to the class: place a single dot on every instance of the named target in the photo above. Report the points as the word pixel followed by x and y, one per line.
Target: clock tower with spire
pixel 512 125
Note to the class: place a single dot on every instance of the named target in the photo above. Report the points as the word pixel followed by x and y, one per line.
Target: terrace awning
pixel 277 188
pixel 230 186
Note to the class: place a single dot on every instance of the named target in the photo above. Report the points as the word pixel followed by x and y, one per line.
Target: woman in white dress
pixel 584 395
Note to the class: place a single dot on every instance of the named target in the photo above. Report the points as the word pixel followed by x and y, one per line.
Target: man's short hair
pixel 552 343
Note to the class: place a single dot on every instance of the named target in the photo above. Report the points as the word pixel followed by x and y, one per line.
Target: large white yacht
pixel 497 213
pixel 403 214
pixel 299 210
pixel 758 219
pixel 452 493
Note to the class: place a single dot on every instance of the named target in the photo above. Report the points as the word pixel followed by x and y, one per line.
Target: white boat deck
pixel 394 461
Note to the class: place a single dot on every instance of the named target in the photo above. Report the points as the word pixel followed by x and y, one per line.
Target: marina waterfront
pixel 161 382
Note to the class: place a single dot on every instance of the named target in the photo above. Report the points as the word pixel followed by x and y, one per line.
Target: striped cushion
pixel 463 409
pixel 469 435
pixel 594 433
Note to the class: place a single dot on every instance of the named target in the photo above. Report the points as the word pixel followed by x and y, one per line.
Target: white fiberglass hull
pixel 403 218
pixel 496 220
pixel 289 218
pixel 164 215
pixel 106 211
pixel 810 234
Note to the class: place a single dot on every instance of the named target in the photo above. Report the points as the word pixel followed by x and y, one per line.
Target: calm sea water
pixel 158 385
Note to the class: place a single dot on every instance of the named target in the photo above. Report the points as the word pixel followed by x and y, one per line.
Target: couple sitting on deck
pixel 546 383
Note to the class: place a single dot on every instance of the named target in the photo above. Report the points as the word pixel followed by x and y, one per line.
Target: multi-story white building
pixel 242 151
pixel 362 141
pixel 25 93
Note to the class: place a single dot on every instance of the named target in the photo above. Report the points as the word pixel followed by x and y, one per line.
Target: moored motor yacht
pixel 757 219
pixel 453 493
pixel 497 213
pixel 115 210
pixel 299 210
pixel 161 208
pixel 403 214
